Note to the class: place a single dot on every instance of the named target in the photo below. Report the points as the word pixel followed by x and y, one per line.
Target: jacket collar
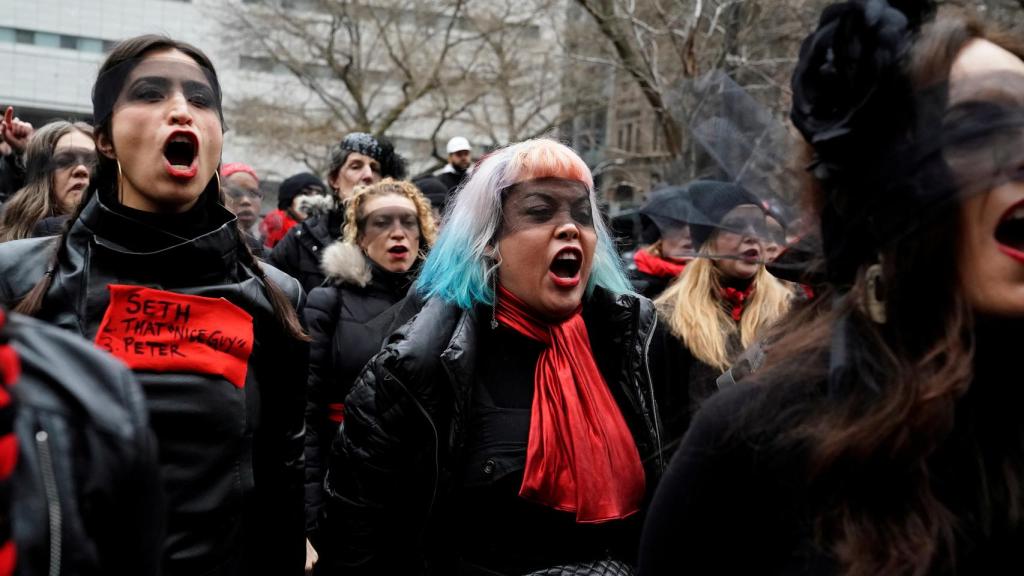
pixel 324 229
pixel 151 251
pixel 346 263
pixel 443 330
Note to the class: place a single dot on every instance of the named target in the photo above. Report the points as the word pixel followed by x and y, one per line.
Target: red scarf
pixel 10 369
pixel 275 225
pixel 580 456
pixel 656 266
pixel 735 300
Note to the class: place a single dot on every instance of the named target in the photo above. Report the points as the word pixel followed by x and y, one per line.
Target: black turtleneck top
pixel 177 226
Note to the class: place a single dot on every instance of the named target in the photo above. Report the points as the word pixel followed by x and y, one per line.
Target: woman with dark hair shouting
pixel 154 270
pixel 512 425
pixel 883 434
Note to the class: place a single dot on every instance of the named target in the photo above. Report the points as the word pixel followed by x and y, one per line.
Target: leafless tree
pixel 410 69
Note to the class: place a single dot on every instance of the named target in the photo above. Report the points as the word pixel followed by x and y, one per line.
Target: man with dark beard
pixel 459 159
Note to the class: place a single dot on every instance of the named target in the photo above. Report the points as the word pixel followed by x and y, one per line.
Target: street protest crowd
pixel 464 373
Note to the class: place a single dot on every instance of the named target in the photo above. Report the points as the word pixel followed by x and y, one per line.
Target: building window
pixel 47 39
pixel 51 40
pixel 93 45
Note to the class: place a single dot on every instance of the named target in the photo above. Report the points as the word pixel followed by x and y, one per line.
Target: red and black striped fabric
pixel 9 372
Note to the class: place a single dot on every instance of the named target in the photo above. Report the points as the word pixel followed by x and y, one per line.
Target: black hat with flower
pixel 853 102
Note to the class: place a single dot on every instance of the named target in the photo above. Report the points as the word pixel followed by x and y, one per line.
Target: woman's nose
pixel 180 113
pixel 567 231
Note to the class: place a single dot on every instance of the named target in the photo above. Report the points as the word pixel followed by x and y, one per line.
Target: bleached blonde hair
pixel 693 309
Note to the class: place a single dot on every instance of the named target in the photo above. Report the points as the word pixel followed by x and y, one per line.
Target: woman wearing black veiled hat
pixel 724 300
pixel 882 436
pixel 670 245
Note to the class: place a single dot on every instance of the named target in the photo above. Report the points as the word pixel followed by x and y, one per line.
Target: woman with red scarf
pixel 724 299
pixel 666 215
pixel 512 425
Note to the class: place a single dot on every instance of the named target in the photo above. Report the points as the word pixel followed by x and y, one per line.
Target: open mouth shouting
pixel 751 255
pixel 181 155
pixel 398 252
pixel 564 270
pixel 1010 232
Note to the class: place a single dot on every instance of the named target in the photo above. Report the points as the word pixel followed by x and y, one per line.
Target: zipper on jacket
pixel 52 499
pixel 654 401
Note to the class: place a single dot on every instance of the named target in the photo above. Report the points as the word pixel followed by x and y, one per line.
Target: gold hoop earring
pixel 874 301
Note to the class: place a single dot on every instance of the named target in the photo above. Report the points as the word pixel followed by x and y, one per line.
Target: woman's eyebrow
pixel 157 80
pixel 542 195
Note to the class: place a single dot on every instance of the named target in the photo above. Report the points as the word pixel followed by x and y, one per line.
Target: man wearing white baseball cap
pixel 459 159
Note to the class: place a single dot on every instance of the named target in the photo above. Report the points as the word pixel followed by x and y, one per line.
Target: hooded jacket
pixel 348 319
pixel 86 495
pixel 394 459
pixel 230 449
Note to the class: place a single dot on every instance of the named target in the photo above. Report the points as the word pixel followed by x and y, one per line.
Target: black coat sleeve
pixel 285 255
pixel 384 474
pixel 670 373
pixel 321 315
pixel 279 444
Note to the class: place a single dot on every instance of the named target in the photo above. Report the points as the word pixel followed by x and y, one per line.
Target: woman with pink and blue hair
pixel 512 424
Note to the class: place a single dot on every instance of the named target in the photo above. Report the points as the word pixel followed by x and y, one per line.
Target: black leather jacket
pixel 86 495
pixel 405 424
pixel 231 456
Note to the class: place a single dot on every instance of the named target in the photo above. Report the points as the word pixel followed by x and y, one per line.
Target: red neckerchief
pixel 10 370
pixel 580 456
pixel 656 266
pixel 735 300
pixel 275 225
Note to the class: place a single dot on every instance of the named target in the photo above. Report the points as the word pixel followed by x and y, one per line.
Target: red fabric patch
pixel 165 331
pixel 7 558
pixel 336 412
pixel 650 264
pixel 8 455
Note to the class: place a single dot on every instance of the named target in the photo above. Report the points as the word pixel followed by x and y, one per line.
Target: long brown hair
pixel 37 199
pixel 107 178
pixel 874 439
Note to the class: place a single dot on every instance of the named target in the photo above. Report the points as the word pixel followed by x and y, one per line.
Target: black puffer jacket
pixel 348 319
pixel 86 495
pixel 299 252
pixel 230 449
pixel 395 457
